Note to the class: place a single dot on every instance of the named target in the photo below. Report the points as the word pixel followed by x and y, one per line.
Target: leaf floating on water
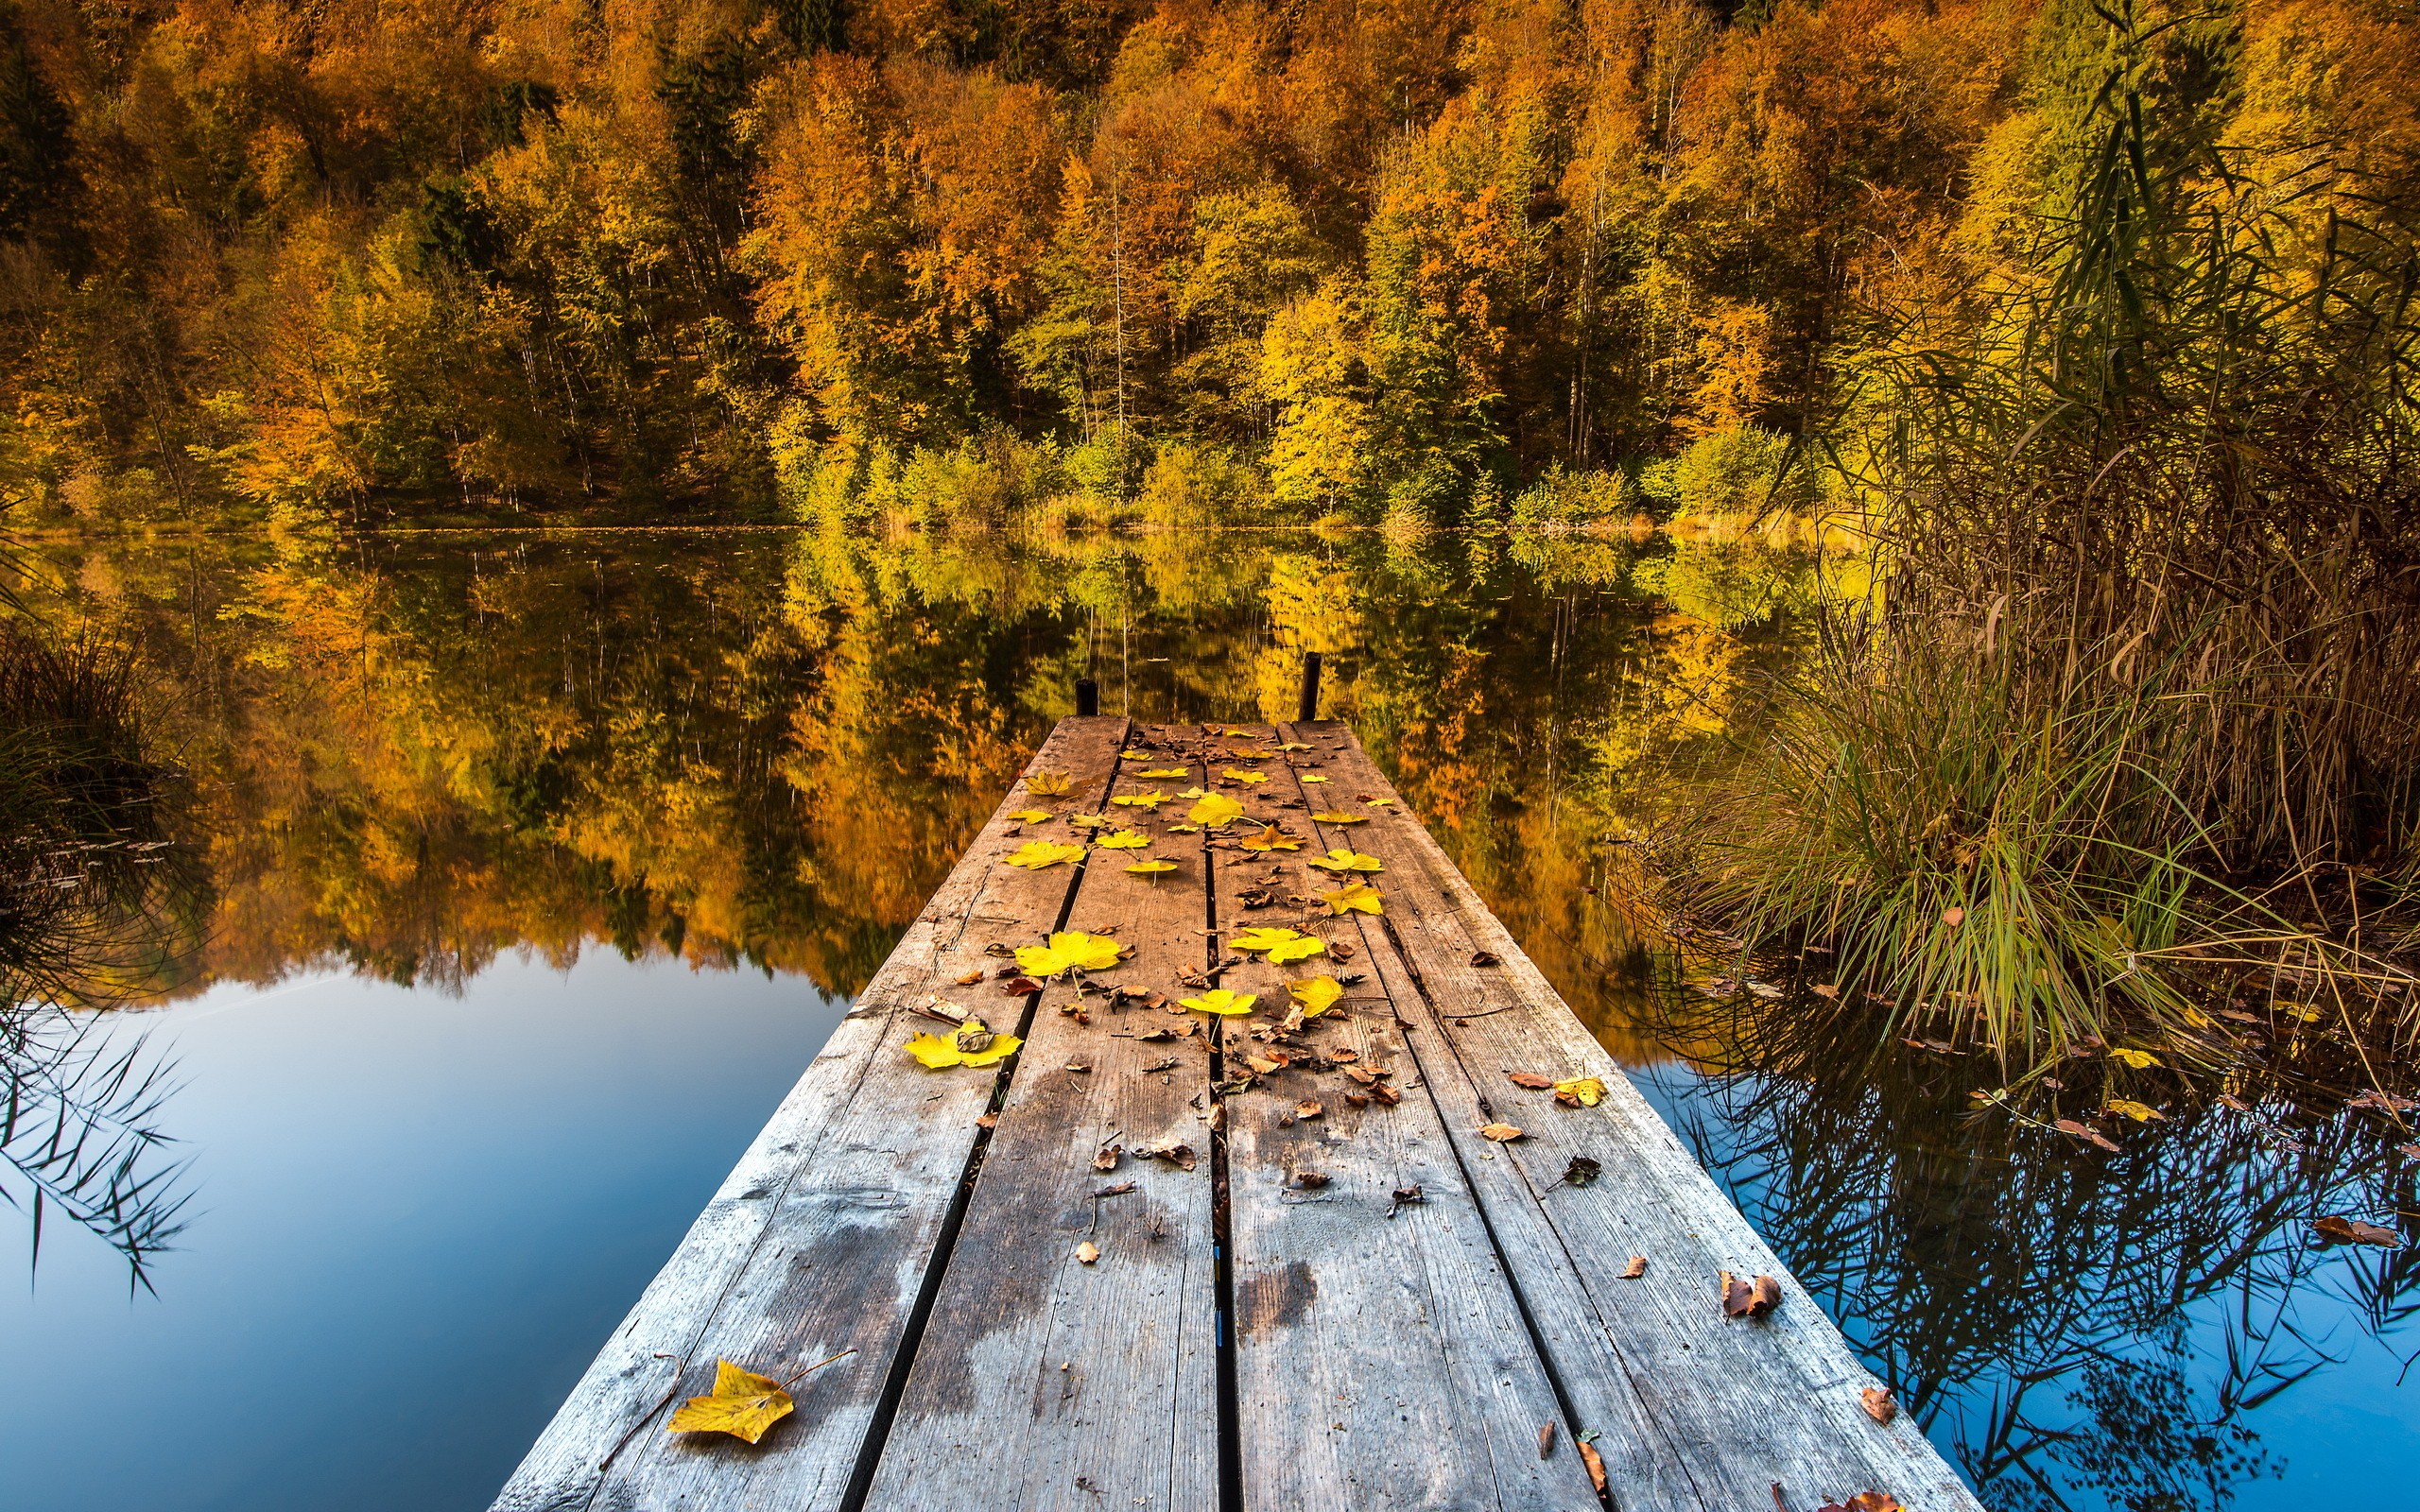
pixel 1048 784
pixel 1636 1268
pixel 1358 898
pixel 1035 854
pixel 1340 818
pixel 1580 1091
pixel 1124 841
pixel 1140 800
pixel 971 1045
pixel 1070 950
pixel 1150 868
pixel 744 1404
pixel 1219 1000
pixel 2354 1231
pixel 1282 945
pixel 1529 1079
pixel 1500 1133
pixel 2086 1132
pixel 2139 1112
pixel 1878 1405
pixel 1345 858
pixel 2139 1059
pixel 1030 816
pixel 1214 810
pixel 1317 994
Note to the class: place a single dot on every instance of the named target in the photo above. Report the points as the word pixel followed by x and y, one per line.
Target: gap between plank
pixel 911 1337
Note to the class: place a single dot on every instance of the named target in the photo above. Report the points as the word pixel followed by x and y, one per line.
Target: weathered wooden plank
pixel 1380 1353
pixel 1694 1409
pixel 1042 1381
pixel 820 1240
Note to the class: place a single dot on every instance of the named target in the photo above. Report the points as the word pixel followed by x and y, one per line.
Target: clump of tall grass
pixel 2145 643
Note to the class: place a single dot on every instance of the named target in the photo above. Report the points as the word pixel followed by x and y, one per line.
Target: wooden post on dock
pixel 1310 707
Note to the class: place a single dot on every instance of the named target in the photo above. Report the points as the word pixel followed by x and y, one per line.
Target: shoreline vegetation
pixel 2071 343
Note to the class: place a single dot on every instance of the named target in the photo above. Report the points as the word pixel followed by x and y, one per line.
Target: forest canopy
pixel 1342 256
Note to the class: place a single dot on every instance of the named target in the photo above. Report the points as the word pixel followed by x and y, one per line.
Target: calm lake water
pixel 531 869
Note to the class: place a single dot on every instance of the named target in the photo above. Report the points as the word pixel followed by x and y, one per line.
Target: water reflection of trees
pixel 2098 1328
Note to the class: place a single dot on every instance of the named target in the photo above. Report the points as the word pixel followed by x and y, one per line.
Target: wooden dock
pixel 1317 1283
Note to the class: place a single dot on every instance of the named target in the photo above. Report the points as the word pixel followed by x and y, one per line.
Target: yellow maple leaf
pixel 744 1404
pixel 970 1044
pixel 1271 839
pixel 1345 858
pixel 1214 810
pixel 1313 776
pixel 1140 800
pixel 1219 1000
pixel 1244 777
pixel 2138 1111
pixel 1035 854
pixel 1089 821
pixel 1340 817
pixel 1585 1091
pixel 1124 841
pixel 1030 816
pixel 1151 869
pixel 1294 744
pixel 1048 784
pixel 1317 994
pixel 1358 898
pixel 1378 803
pixel 2139 1059
pixel 1135 756
pixel 1165 771
pixel 1282 945
pixel 1071 948
pixel 1194 793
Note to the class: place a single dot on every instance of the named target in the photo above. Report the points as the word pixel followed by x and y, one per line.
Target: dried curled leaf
pixel 2354 1231
pixel 1220 1000
pixel 1048 784
pixel 1180 1156
pixel 1581 1171
pixel 1280 945
pixel 1636 1268
pixel 1742 1298
pixel 1878 1405
pixel 1529 1079
pixel 1579 1091
pixel 971 1045
pixel 1500 1133
pixel 744 1404
pixel 1345 858
pixel 1069 949
pixel 1035 854
pixel 1358 898
pixel 1865 1501
pixel 1317 994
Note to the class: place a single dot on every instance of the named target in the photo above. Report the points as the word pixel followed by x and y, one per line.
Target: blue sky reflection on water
pixel 416 1217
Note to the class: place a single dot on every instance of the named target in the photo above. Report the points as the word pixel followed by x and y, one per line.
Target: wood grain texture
pixel 1381 1354
pixel 820 1240
pixel 1042 1381
pixel 1694 1409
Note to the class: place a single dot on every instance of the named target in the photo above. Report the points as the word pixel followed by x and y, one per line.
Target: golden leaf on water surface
pixel 1048 784
pixel 1317 994
pixel 971 1045
pixel 744 1404
pixel 2139 1112
pixel 1282 945
pixel 1073 948
pixel 1219 1000
pixel 1123 840
pixel 2139 1059
pixel 1214 810
pixel 1358 898
pixel 1035 854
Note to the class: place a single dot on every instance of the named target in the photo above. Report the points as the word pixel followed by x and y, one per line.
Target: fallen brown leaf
pixel 1087 1252
pixel 1308 1109
pixel 1485 958
pixel 2085 1131
pixel 1546 1439
pixel 1529 1079
pixel 2354 1231
pixel 1108 1157
pixel 970 978
pixel 1879 1404
pixel 1118 1191
pixel 1636 1268
pixel 1500 1133
pixel 1865 1501
pixel 1596 1464
pixel 1581 1171
pixel 1308 1180
pixel 1742 1298
pixel 1180 1156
